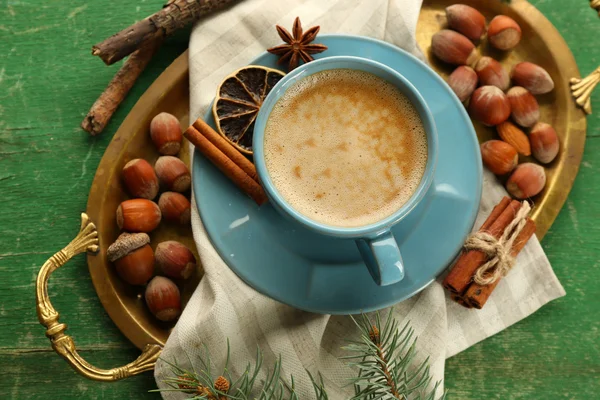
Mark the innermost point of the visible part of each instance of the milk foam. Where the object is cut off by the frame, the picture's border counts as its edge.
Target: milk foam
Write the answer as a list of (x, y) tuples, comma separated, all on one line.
[(345, 148)]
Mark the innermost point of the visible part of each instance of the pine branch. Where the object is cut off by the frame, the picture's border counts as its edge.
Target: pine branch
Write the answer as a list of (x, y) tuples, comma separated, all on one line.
[(385, 361), (202, 385), (384, 356), (318, 386)]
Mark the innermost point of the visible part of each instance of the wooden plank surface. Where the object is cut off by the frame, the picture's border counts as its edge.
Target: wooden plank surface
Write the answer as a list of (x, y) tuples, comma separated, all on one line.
[(47, 82)]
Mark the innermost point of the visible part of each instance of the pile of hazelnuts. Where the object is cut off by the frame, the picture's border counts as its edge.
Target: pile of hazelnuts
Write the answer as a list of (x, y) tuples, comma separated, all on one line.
[(131, 254), (486, 86)]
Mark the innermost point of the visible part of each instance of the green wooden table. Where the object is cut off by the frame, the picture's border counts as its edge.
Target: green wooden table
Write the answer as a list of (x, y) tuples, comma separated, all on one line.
[(48, 80)]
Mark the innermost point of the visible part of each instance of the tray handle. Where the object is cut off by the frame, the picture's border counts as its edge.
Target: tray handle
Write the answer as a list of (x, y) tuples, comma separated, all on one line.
[(582, 89), (595, 4), (86, 240)]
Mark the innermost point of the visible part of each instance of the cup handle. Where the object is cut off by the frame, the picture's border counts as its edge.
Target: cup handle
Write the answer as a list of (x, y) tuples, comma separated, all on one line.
[(382, 257)]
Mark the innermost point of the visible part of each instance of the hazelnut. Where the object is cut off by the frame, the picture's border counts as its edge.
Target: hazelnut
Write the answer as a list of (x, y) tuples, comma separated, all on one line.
[(504, 33), (544, 142), (489, 105), (466, 20), (173, 174), (175, 260), (527, 180), (175, 207), (499, 157), (163, 298), (166, 134), (133, 257), (453, 48), (463, 82), (514, 136), (138, 215), (525, 109), (140, 179), (532, 77), (491, 72)]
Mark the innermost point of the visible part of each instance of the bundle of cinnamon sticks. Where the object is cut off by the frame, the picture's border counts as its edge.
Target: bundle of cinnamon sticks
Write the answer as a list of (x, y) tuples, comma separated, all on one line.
[(226, 158), (459, 281)]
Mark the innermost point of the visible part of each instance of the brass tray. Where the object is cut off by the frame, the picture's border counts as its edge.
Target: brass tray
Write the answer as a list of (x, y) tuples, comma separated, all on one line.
[(124, 303), (542, 45)]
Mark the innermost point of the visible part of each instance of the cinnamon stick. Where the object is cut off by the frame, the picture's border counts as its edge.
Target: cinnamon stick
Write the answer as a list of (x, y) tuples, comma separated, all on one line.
[(233, 171), (222, 144), (496, 212), (116, 91), (462, 272), (477, 295), (176, 14), (460, 300)]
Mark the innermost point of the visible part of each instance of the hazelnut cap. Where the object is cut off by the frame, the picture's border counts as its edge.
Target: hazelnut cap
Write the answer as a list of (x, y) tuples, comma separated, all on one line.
[(125, 244)]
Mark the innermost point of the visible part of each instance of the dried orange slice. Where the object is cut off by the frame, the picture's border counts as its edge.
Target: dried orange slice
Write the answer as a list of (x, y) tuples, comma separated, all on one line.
[(238, 100)]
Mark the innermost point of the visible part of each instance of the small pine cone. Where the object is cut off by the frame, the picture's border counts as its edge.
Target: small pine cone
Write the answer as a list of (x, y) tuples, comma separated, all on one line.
[(374, 334), (222, 384), (204, 391), (191, 387)]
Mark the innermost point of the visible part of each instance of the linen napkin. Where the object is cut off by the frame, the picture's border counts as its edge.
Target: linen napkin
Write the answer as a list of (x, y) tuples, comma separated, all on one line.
[(223, 307)]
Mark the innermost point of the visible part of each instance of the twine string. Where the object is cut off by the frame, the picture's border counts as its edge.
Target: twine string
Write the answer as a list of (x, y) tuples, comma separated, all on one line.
[(500, 261)]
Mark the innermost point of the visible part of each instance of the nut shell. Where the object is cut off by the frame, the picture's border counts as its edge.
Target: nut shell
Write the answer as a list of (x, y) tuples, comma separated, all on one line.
[(173, 174), (175, 207), (463, 82), (499, 157), (137, 267), (489, 105), (453, 48), (532, 77), (525, 109), (544, 142), (138, 215), (163, 298), (504, 33), (526, 181), (514, 136), (140, 179), (466, 20), (166, 134), (175, 260), (491, 72)]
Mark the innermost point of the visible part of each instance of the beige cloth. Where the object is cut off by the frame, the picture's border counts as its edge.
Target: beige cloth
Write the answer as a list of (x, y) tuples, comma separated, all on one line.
[(225, 307)]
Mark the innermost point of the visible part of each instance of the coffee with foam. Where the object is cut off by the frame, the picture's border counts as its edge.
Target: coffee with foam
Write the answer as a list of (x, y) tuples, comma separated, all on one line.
[(345, 148)]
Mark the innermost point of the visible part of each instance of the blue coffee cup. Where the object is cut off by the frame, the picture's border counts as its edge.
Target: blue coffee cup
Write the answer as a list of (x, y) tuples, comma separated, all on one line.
[(375, 241)]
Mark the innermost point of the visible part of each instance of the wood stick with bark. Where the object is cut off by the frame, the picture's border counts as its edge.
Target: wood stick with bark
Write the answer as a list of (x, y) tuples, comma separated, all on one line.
[(106, 105), (175, 15)]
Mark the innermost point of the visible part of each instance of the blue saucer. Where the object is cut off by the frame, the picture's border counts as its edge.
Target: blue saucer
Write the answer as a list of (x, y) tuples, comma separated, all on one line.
[(322, 274)]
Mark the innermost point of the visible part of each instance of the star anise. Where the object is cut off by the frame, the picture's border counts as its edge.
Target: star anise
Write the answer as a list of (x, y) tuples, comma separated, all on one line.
[(297, 46)]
